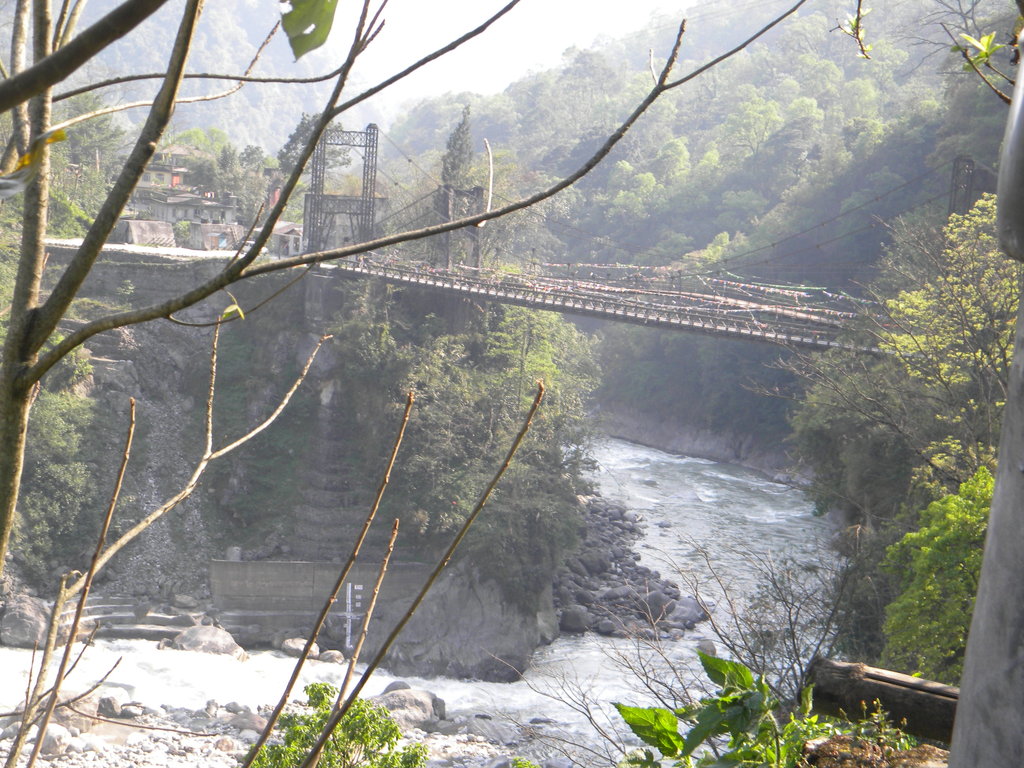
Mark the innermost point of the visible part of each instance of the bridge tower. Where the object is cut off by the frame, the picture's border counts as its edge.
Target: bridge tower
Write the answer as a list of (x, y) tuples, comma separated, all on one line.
[(961, 186), (323, 210), (970, 180), (452, 203)]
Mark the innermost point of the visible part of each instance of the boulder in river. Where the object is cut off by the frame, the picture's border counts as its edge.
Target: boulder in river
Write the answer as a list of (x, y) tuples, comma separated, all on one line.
[(575, 619), (24, 622), (250, 721), (294, 646), (412, 708), (208, 640)]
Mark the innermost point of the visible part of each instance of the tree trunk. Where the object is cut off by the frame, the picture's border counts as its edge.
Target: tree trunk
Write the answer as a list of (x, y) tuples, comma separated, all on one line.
[(988, 727), (927, 707)]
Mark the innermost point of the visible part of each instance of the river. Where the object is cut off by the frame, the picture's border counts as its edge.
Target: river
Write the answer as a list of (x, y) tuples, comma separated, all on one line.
[(689, 504)]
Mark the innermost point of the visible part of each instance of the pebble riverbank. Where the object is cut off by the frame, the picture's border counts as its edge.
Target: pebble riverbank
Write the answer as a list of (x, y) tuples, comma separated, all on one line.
[(219, 737)]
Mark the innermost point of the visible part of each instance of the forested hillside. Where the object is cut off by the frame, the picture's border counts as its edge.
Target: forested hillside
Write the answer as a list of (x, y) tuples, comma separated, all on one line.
[(804, 166)]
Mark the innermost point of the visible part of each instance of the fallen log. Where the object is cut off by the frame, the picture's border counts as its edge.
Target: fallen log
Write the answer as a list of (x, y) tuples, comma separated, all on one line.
[(921, 707)]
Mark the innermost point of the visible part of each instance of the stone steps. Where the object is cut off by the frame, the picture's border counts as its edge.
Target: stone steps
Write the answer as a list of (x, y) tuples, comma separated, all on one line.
[(121, 618), (137, 632)]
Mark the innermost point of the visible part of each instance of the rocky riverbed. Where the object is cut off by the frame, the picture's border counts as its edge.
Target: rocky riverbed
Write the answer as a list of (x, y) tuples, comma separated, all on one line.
[(601, 589), (604, 589), (126, 734)]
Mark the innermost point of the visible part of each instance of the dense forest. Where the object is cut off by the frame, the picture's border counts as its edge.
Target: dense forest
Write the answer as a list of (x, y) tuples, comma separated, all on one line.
[(801, 164)]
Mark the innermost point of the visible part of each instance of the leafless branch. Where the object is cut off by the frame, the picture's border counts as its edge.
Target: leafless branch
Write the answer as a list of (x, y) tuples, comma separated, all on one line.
[(209, 455), (357, 650), (238, 82), (63, 62), (53, 309)]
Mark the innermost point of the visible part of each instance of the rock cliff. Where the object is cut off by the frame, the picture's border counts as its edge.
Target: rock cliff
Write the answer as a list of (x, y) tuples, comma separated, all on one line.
[(289, 494)]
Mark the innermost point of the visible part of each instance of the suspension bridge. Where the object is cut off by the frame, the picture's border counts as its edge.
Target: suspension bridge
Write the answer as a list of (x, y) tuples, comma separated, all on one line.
[(728, 308), (791, 315)]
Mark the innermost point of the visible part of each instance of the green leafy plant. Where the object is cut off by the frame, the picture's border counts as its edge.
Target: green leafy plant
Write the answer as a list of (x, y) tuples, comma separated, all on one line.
[(366, 736), (874, 726), (939, 566), (744, 711), (979, 51)]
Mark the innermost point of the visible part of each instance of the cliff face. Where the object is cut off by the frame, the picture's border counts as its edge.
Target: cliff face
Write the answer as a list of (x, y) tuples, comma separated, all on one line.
[(289, 494)]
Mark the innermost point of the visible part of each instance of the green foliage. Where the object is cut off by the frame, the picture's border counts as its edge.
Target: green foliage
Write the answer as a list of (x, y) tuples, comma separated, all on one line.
[(181, 232), (939, 565), (927, 413), (92, 143), (66, 218), (979, 51), (58, 486), (458, 157), (307, 24), (473, 378), (745, 714), (367, 737), (743, 710), (892, 433), (217, 165)]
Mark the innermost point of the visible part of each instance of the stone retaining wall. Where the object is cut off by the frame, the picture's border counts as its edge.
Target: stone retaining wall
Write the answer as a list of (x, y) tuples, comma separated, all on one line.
[(269, 585)]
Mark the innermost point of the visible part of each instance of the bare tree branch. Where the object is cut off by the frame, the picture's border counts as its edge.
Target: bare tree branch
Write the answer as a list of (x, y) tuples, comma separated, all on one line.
[(244, 268), (209, 455), (86, 587), (237, 86), (57, 66), (63, 293)]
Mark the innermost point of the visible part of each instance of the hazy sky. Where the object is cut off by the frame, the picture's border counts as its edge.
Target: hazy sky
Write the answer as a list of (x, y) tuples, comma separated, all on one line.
[(531, 37)]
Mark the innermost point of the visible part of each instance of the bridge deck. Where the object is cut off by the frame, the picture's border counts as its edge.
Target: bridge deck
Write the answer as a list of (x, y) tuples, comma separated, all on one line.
[(736, 318)]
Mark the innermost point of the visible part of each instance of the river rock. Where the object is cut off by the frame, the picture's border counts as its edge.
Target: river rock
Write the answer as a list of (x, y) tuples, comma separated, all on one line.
[(294, 646), (575, 619), (109, 706), (248, 721), (225, 744), (208, 640), (81, 719), (185, 601), (468, 628), (332, 657), (707, 647), (617, 593), (93, 743), (495, 731), (585, 597), (658, 605), (595, 562), (24, 622), (412, 708), (55, 739), (606, 627), (687, 611)]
